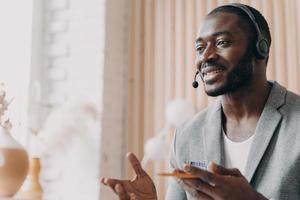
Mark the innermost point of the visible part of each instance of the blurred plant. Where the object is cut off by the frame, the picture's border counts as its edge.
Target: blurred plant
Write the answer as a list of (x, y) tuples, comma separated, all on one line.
[(177, 112), (4, 120), (70, 138), (71, 119)]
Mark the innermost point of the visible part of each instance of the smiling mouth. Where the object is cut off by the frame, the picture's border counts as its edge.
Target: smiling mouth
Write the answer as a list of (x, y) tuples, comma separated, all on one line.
[(212, 72)]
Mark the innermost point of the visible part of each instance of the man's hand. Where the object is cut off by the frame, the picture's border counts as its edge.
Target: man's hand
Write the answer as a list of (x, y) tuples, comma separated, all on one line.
[(219, 183), (141, 187)]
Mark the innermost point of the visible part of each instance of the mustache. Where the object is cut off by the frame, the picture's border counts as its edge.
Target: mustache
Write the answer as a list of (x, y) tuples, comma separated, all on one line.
[(211, 63)]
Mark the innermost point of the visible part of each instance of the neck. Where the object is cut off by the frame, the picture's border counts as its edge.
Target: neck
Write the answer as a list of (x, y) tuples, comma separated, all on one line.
[(247, 102)]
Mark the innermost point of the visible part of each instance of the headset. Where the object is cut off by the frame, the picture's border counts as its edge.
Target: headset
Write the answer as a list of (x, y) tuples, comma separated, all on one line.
[(262, 47)]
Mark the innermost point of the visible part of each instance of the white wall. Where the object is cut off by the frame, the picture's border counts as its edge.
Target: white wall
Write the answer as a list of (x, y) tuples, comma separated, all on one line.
[(74, 49), (82, 49), (68, 63), (15, 51)]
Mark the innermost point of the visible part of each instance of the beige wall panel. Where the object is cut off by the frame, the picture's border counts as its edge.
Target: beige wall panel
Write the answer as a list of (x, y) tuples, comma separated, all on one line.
[(159, 97), (248, 2), (149, 69), (159, 66), (233, 1), (221, 2), (201, 11), (138, 75), (130, 101), (169, 49), (190, 35), (149, 62), (135, 79), (211, 5), (298, 43), (279, 41), (291, 41), (267, 11), (256, 4), (179, 49)]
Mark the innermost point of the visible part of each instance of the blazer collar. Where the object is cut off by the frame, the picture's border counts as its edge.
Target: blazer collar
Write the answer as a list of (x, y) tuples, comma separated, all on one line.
[(265, 128), (213, 138)]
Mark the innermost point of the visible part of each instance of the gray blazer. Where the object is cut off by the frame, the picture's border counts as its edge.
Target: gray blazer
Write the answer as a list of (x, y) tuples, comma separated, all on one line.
[(273, 166)]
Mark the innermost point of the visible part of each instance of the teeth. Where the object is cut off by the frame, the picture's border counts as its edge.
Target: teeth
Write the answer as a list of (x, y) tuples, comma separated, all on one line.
[(214, 72)]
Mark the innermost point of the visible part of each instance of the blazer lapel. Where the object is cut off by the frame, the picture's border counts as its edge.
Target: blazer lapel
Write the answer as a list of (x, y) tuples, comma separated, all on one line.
[(265, 129), (213, 139)]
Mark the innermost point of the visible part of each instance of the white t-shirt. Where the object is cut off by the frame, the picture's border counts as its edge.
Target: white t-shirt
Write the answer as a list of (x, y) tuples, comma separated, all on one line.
[(236, 153)]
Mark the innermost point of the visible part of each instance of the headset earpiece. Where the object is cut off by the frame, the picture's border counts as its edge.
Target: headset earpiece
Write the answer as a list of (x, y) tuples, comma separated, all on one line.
[(262, 48)]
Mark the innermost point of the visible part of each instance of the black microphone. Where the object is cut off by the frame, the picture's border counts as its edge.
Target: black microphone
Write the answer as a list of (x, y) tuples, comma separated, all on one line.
[(195, 82)]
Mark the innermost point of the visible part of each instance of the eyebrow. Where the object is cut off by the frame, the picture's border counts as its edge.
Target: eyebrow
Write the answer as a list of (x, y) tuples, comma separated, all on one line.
[(215, 35)]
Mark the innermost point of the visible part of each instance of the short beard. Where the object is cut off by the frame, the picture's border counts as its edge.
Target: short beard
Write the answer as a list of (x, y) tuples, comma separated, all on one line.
[(239, 77)]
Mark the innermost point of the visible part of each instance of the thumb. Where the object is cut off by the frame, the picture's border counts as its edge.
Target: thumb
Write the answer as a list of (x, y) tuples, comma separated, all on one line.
[(136, 165), (218, 169)]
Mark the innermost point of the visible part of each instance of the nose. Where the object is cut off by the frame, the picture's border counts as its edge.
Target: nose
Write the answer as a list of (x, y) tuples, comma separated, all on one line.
[(209, 53)]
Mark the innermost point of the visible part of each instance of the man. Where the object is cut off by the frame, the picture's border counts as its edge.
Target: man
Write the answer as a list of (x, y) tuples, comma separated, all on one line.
[(244, 146)]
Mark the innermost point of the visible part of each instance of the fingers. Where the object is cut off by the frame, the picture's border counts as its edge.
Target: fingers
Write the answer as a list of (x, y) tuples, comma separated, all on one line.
[(204, 175), (197, 184), (117, 187), (121, 192), (178, 171), (192, 191), (213, 167), (204, 188), (136, 165), (113, 184), (133, 196), (110, 182), (102, 180)]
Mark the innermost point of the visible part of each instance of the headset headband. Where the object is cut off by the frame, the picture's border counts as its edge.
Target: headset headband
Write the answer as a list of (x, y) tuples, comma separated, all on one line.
[(262, 45)]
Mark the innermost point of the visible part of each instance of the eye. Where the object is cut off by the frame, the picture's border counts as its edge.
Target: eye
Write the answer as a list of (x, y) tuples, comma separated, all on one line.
[(222, 43), (200, 48)]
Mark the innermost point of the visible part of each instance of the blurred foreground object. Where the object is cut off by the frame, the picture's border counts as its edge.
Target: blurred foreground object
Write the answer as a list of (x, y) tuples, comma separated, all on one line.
[(71, 151), (13, 157), (177, 112)]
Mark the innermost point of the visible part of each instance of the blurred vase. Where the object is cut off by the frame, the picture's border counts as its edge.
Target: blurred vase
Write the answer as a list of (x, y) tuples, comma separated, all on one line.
[(31, 188), (13, 164)]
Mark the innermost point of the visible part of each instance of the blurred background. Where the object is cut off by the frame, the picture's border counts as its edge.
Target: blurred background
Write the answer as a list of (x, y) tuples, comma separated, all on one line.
[(92, 80)]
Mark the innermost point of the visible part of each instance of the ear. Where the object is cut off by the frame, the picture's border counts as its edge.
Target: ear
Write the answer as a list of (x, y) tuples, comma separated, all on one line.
[(260, 66), (261, 61)]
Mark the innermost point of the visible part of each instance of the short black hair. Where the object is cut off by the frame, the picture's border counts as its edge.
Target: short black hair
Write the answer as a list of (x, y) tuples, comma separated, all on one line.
[(259, 18)]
